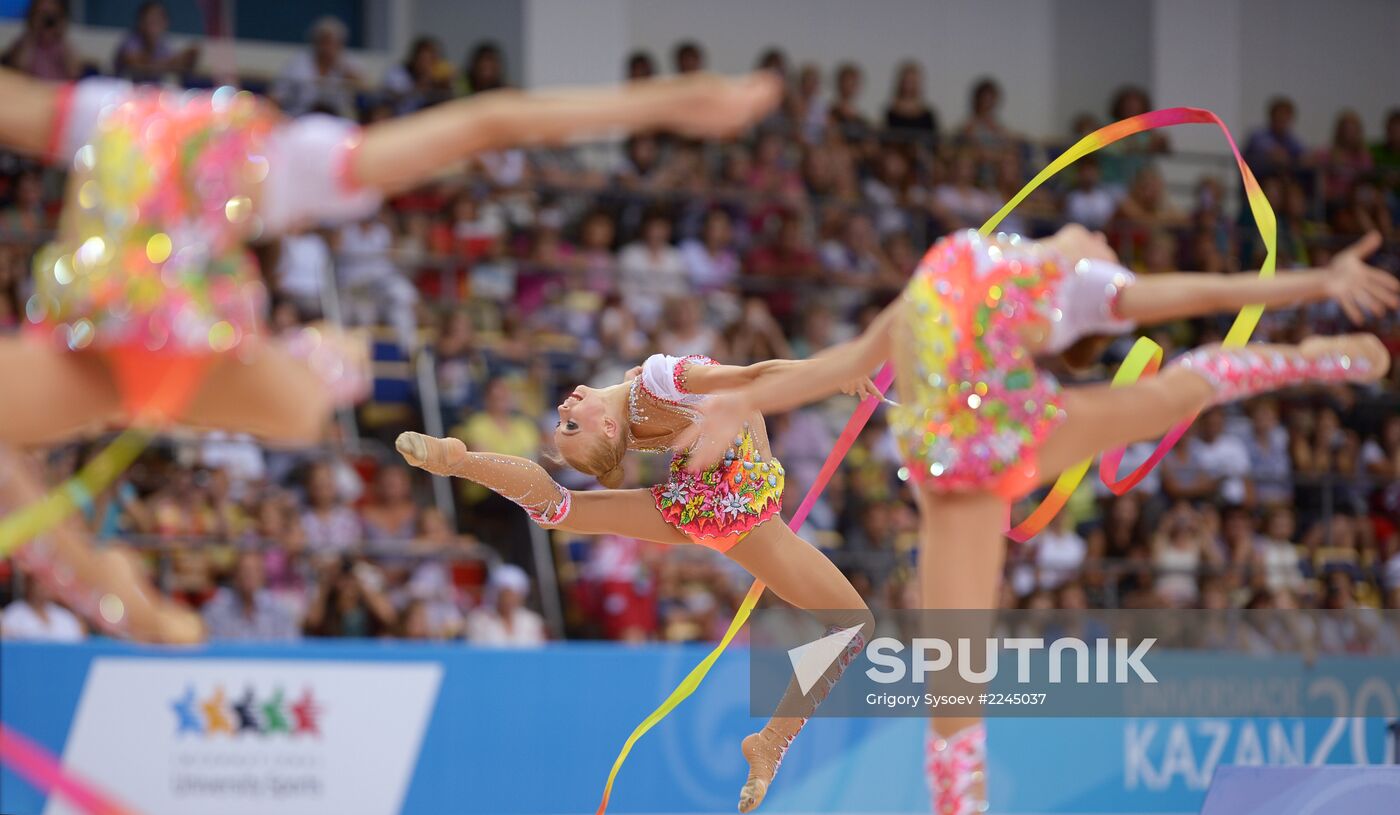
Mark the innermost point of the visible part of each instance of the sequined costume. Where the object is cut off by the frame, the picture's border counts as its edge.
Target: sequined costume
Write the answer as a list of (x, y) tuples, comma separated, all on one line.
[(150, 266), (974, 408), (719, 506)]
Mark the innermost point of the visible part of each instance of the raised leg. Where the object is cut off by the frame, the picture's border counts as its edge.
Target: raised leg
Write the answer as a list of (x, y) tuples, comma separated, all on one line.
[(805, 578), (1099, 417), (53, 394), (283, 391)]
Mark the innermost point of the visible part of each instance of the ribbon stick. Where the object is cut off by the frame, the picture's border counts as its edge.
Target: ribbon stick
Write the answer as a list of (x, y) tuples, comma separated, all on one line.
[(47, 512), (697, 674), (35, 765), (1146, 355)]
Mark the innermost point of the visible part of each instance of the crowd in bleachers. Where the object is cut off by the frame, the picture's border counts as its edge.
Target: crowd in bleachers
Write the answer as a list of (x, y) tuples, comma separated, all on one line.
[(522, 274)]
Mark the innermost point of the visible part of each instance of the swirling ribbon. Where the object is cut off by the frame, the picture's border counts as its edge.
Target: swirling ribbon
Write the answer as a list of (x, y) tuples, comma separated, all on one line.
[(1146, 355), (1143, 360), (35, 765), (693, 679)]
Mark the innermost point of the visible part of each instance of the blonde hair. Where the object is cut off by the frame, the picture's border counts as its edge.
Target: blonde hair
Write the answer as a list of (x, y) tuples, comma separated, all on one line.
[(602, 460)]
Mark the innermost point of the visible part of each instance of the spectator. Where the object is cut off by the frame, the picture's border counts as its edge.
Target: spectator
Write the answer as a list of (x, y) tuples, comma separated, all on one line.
[(373, 283), (304, 267), (349, 603), (26, 219), (1090, 203), (1346, 160), (1278, 554), (499, 427), (321, 78), (756, 335), (651, 270), (856, 263), (459, 363), (1059, 552), (894, 191), (685, 333), (1146, 210), (329, 525), (503, 621), (845, 114), (42, 49), (983, 132), (37, 618), (1325, 450), (596, 259), (421, 80), (640, 65), (711, 263), (146, 54), (1385, 155), (1269, 462), (809, 110), (245, 610), (1222, 458), (1381, 456), (390, 516), (960, 203), (770, 174), (1179, 552), (773, 59), (1127, 158), (782, 263), (688, 57), (485, 69), (1275, 148), (909, 113)]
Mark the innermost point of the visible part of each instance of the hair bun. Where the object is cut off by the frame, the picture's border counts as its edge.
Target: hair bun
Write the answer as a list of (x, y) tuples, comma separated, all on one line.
[(612, 479)]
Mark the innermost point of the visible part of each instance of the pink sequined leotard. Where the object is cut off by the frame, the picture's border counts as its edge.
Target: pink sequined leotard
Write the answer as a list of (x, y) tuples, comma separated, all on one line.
[(151, 266), (974, 408), (716, 508)]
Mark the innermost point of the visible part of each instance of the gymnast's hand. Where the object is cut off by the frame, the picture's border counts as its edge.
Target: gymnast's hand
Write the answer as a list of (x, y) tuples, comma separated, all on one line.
[(719, 419), (1359, 288), (713, 106), (862, 389)]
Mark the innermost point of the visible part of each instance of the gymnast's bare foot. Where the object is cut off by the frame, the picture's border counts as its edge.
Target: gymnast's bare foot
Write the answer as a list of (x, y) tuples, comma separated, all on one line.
[(1361, 347), (764, 752), (437, 456)]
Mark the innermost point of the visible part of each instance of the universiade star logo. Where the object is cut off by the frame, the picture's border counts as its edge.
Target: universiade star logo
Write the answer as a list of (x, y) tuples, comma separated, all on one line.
[(215, 719), (307, 712), (187, 720), (216, 714), (274, 717), (244, 710)]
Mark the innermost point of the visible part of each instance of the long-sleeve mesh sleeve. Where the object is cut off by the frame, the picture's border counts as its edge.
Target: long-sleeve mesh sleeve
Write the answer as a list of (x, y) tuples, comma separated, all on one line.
[(517, 479)]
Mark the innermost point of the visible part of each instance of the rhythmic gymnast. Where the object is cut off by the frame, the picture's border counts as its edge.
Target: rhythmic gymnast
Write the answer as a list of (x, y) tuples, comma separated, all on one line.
[(732, 506), (148, 307), (981, 424)]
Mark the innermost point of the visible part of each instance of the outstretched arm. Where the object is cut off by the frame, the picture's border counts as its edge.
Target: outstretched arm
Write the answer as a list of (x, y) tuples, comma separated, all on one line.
[(724, 415), (404, 152), (721, 378), (1360, 289)]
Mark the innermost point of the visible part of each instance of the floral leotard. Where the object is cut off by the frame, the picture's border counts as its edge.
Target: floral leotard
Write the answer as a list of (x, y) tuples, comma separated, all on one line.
[(718, 507)]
